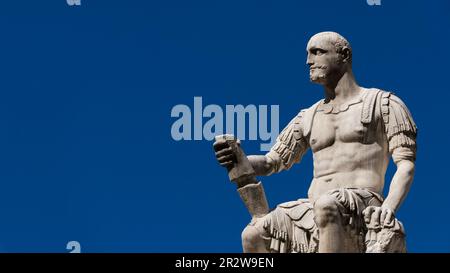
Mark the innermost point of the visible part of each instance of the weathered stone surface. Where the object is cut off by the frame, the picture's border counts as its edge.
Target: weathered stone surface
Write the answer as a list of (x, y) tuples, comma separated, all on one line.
[(353, 132)]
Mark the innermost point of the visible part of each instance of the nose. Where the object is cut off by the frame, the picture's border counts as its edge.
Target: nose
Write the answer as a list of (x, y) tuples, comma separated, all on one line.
[(309, 60)]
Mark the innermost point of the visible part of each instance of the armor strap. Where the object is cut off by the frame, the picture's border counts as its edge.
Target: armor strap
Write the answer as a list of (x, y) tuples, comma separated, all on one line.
[(308, 116), (368, 107), (367, 113), (385, 108)]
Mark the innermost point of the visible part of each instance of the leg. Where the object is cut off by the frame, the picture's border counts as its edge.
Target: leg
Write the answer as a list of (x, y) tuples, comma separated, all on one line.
[(253, 239), (256, 203), (332, 235)]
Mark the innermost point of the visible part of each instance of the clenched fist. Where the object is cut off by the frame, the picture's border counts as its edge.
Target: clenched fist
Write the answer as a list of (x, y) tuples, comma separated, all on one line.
[(225, 154)]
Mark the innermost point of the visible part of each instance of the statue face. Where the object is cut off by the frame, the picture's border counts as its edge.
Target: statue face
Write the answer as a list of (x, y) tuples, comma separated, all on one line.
[(324, 62)]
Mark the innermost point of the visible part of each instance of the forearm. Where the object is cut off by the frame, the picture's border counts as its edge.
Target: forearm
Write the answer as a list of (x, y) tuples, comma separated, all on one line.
[(400, 184), (262, 165)]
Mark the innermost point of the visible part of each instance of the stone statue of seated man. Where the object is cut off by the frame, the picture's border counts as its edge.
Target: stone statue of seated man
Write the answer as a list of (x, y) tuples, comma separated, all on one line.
[(353, 132)]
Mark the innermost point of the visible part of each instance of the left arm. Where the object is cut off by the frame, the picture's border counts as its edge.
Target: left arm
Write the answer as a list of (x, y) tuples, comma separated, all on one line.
[(400, 184), (398, 190), (401, 133)]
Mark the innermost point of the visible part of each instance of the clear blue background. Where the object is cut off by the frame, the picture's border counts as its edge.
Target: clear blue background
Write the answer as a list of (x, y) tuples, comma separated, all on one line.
[(86, 93)]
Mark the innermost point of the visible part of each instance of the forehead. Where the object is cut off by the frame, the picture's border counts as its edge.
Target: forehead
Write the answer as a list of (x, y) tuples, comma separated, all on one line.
[(320, 41)]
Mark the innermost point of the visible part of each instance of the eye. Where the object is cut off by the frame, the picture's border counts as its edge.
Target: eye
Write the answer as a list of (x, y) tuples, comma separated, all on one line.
[(319, 51)]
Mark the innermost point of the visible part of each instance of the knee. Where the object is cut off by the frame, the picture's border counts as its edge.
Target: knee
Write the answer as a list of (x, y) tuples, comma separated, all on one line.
[(326, 211), (251, 238)]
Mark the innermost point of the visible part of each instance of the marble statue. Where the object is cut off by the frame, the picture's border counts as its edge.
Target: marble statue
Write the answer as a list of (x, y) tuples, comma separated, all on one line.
[(352, 132)]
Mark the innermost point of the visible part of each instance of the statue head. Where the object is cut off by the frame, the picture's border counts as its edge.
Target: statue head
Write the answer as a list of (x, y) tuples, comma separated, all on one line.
[(329, 57)]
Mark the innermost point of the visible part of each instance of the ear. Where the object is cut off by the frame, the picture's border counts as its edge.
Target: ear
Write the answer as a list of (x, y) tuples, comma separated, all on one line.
[(346, 54)]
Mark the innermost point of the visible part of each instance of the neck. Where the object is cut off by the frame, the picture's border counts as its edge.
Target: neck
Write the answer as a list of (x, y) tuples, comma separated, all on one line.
[(343, 89)]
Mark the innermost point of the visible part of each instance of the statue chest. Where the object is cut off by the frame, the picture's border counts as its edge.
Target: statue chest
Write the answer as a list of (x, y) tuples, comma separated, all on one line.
[(344, 126)]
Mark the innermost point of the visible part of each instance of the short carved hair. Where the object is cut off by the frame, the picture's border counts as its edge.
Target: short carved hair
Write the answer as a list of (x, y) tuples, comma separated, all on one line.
[(336, 39)]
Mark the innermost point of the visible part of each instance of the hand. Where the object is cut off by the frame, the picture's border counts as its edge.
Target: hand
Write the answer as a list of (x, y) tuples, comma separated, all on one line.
[(224, 153), (378, 216)]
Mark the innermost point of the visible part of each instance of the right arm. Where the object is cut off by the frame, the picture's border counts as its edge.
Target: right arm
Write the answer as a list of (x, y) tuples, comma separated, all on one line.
[(289, 148), (263, 165)]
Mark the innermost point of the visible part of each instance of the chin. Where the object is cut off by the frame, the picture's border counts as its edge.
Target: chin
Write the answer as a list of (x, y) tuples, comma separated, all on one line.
[(318, 79), (317, 75)]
